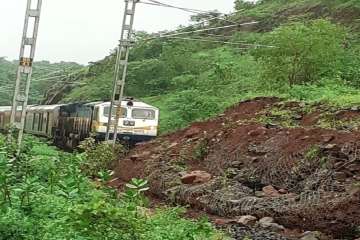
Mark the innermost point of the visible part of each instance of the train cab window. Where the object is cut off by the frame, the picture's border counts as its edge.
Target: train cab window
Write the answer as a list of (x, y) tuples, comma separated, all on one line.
[(143, 114), (107, 110)]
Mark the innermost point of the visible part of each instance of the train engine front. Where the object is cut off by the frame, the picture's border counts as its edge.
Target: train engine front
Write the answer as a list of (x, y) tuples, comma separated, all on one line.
[(139, 121)]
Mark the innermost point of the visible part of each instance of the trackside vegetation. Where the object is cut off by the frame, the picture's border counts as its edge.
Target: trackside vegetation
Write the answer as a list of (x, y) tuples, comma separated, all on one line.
[(44, 194)]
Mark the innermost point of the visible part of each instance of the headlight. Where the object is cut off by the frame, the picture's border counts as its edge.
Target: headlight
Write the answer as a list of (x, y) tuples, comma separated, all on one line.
[(129, 123)]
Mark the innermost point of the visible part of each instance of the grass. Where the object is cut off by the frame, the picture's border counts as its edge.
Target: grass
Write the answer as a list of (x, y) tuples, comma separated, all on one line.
[(45, 195)]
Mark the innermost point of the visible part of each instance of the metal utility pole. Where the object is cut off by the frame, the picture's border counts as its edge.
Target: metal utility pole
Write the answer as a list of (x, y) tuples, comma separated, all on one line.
[(121, 62), (23, 77)]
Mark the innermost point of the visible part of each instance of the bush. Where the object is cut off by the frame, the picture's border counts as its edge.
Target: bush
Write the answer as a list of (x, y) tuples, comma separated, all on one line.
[(190, 105), (71, 207), (99, 156), (302, 53)]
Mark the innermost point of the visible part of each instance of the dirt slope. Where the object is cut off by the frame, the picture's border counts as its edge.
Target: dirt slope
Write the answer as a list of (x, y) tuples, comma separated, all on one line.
[(297, 163)]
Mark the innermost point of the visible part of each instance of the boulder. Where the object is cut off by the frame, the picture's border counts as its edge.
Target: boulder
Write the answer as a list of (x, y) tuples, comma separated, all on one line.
[(196, 177), (270, 191), (268, 223), (329, 146), (283, 191), (311, 236), (247, 220)]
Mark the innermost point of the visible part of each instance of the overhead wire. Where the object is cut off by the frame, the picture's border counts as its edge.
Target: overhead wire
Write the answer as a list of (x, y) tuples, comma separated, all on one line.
[(223, 42), (201, 30), (10, 87), (190, 10)]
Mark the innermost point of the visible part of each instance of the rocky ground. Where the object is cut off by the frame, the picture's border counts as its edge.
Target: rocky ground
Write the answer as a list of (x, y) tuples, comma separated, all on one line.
[(267, 169)]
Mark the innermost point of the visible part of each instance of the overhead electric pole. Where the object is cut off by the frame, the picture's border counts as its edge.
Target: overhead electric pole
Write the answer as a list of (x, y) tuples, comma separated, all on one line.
[(122, 58), (23, 77)]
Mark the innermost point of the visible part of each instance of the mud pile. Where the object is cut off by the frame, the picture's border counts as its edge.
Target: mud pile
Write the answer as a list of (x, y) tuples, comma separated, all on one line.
[(294, 162)]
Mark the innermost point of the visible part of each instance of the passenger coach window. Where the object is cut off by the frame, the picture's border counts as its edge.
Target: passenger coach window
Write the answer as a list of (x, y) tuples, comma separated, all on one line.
[(143, 114), (107, 110)]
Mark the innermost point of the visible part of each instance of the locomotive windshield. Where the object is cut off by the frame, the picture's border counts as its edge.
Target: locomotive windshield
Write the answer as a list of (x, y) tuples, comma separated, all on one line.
[(143, 114), (107, 110)]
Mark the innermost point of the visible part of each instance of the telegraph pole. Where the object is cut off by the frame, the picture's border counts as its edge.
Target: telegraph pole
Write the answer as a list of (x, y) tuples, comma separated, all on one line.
[(23, 77), (122, 59)]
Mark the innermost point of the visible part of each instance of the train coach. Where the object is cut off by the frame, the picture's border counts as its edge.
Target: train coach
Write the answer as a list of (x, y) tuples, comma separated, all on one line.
[(69, 124)]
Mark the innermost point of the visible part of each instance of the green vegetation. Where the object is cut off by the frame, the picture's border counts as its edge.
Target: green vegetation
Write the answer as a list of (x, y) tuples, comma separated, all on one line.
[(45, 76), (303, 55), (45, 195)]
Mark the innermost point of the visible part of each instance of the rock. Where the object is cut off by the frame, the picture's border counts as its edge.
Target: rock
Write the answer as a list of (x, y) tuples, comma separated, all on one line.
[(260, 194), (247, 220), (196, 177), (266, 220), (192, 132), (327, 138), (283, 191), (270, 191), (329, 146), (305, 137), (268, 223), (311, 236), (221, 221)]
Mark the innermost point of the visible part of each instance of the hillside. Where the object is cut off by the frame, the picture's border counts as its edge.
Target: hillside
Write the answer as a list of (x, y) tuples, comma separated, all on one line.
[(209, 76), (293, 167), (45, 75)]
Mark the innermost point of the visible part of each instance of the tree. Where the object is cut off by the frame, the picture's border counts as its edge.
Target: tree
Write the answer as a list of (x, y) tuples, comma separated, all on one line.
[(242, 4), (301, 53)]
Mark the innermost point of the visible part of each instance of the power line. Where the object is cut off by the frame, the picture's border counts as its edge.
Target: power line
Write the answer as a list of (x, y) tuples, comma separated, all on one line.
[(202, 30), (223, 42), (190, 10), (10, 87)]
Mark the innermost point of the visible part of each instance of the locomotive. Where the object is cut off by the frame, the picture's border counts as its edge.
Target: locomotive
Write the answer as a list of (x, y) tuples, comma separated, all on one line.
[(69, 124)]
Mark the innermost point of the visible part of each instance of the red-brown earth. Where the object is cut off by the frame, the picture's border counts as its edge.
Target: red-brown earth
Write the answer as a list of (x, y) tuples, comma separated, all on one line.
[(294, 162)]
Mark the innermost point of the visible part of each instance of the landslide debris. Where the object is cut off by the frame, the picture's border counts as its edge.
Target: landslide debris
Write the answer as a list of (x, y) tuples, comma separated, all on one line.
[(294, 162)]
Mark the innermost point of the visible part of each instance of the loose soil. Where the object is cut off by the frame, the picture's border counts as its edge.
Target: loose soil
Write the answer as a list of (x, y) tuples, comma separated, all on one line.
[(310, 155)]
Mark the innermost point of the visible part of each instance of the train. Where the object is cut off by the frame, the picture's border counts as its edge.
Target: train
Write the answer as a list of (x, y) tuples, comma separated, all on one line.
[(69, 124)]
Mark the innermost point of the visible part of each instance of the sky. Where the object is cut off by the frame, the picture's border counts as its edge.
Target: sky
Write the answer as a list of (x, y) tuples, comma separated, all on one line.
[(86, 30)]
